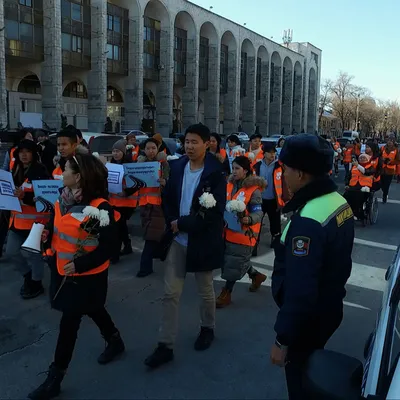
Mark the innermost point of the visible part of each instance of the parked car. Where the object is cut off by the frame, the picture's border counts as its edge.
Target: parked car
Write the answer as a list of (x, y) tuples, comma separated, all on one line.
[(331, 375), (242, 136), (140, 136)]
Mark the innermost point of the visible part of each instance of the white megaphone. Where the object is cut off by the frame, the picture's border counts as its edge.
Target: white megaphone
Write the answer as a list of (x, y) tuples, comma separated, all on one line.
[(33, 241)]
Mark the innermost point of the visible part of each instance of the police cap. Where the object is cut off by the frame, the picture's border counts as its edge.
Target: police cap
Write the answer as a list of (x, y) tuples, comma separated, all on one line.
[(308, 153)]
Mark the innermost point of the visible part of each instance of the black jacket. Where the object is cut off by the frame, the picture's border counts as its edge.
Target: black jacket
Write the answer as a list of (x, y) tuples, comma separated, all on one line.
[(312, 265), (47, 152), (205, 250), (82, 294)]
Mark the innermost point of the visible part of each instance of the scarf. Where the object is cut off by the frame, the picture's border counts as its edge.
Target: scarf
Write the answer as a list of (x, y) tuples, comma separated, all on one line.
[(70, 197)]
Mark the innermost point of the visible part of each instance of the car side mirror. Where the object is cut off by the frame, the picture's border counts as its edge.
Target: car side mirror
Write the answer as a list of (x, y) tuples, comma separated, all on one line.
[(333, 376)]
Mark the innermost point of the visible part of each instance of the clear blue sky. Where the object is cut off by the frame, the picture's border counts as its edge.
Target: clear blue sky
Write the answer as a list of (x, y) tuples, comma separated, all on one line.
[(361, 37)]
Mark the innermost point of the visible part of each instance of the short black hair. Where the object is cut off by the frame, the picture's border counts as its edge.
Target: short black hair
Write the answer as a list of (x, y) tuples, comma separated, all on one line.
[(151, 140), (269, 147), (256, 136), (200, 130), (245, 163), (234, 138), (69, 132)]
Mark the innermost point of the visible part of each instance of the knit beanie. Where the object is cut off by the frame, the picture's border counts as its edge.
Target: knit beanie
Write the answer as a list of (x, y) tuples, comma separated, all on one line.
[(120, 145)]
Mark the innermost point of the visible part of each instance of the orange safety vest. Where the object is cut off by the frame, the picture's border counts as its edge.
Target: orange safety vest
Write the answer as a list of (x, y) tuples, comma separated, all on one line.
[(257, 158), (12, 158), (150, 195), (24, 220), (135, 153), (223, 153), (359, 178), (347, 155), (278, 184), (374, 163), (336, 146), (124, 201), (70, 234), (391, 156), (57, 173), (357, 149), (243, 237)]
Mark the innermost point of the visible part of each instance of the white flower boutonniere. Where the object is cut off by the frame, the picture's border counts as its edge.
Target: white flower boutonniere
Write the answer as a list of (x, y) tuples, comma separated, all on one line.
[(207, 200)]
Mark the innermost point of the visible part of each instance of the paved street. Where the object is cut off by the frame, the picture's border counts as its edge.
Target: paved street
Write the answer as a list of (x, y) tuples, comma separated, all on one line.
[(236, 367)]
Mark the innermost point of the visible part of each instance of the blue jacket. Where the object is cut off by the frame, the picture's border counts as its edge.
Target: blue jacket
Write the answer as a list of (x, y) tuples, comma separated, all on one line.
[(312, 265), (205, 250)]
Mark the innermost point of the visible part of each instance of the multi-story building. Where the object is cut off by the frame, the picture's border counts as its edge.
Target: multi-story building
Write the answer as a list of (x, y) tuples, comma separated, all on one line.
[(156, 64)]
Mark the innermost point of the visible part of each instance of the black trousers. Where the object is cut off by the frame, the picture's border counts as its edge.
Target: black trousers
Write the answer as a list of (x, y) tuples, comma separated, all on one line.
[(270, 207), (386, 181), (4, 220), (148, 254), (69, 327), (123, 231)]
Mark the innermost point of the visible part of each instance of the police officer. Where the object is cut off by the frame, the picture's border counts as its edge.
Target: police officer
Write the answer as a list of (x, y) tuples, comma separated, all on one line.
[(312, 260)]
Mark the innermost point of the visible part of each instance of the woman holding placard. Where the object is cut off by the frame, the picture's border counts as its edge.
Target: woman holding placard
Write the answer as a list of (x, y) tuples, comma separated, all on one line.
[(151, 213), (26, 169), (125, 202)]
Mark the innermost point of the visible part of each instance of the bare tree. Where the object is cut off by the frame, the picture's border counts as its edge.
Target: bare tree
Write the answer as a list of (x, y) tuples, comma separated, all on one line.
[(325, 97)]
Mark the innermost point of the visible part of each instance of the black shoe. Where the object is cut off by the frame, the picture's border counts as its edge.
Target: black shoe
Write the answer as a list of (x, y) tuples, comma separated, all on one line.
[(32, 290), (255, 251), (27, 279), (204, 340), (126, 250), (114, 260), (275, 240), (115, 347), (162, 355), (143, 274), (51, 387)]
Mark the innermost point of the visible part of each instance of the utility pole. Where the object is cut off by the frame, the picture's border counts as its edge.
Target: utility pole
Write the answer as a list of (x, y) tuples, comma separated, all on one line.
[(358, 113)]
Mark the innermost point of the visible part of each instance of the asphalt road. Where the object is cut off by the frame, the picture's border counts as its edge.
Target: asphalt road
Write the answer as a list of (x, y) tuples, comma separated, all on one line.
[(237, 366)]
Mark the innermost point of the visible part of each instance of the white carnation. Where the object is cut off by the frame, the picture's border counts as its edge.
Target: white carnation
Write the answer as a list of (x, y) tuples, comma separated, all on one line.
[(129, 146), (365, 189), (104, 218), (170, 158), (251, 156), (235, 206), (91, 212), (96, 154), (207, 200)]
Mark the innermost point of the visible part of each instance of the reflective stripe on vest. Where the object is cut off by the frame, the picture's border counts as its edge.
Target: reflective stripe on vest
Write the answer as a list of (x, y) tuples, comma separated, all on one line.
[(249, 234), (391, 156), (150, 195), (57, 173), (357, 177), (24, 220), (278, 173), (128, 201), (71, 238), (12, 158)]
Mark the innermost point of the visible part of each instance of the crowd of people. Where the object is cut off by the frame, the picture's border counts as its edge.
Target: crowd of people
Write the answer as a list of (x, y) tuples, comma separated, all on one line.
[(206, 214)]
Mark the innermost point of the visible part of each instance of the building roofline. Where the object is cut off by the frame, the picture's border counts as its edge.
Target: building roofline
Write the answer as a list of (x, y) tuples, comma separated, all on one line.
[(247, 29), (311, 45)]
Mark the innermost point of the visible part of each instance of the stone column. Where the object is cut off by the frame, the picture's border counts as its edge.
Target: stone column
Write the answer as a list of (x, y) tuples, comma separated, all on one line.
[(133, 100), (249, 101), (296, 113), (231, 99), (211, 96), (263, 102), (97, 77), (3, 90), (190, 93), (275, 101), (287, 89), (51, 71), (165, 93)]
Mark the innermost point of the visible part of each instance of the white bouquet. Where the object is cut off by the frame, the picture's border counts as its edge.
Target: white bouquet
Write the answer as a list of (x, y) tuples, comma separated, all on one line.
[(207, 200), (171, 158), (235, 206), (129, 146), (365, 189)]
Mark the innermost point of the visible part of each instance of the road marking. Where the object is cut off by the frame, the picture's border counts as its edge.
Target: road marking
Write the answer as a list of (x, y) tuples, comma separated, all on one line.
[(375, 244), (390, 201), (363, 276)]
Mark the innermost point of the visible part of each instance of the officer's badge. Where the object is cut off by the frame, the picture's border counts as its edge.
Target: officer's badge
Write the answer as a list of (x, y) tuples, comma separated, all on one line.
[(301, 246)]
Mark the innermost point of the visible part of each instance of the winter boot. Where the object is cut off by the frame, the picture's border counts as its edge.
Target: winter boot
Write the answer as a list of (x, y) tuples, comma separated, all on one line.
[(27, 279), (224, 299), (51, 387), (32, 290), (204, 340), (127, 249), (161, 355), (115, 346), (256, 281)]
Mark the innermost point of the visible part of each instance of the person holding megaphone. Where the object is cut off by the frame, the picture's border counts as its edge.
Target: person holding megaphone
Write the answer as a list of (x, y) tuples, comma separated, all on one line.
[(26, 169), (80, 238)]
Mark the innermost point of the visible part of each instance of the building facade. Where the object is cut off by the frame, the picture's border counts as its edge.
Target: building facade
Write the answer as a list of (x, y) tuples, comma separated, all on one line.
[(154, 65)]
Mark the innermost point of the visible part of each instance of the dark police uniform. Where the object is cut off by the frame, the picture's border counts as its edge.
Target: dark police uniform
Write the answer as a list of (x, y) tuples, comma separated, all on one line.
[(312, 262)]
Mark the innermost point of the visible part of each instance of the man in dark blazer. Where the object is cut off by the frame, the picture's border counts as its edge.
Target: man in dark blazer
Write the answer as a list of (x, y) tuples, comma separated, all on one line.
[(196, 233)]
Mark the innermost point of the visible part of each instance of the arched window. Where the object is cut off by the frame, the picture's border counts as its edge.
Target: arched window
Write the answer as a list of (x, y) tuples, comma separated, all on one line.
[(113, 95), (30, 84), (75, 90)]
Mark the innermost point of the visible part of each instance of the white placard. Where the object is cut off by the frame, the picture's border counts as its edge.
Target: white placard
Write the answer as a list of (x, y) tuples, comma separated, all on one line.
[(7, 199), (115, 177)]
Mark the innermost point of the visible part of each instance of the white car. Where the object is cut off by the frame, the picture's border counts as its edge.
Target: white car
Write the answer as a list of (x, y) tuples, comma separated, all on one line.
[(332, 375), (140, 136), (242, 136)]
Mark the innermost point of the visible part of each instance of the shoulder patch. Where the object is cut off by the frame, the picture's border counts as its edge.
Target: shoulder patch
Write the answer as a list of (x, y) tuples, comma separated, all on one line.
[(301, 246), (344, 215)]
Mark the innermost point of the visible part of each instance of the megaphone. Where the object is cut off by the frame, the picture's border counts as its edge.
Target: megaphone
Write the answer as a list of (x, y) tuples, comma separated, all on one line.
[(33, 241)]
